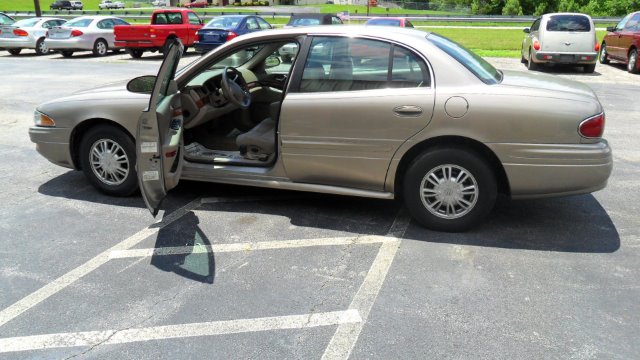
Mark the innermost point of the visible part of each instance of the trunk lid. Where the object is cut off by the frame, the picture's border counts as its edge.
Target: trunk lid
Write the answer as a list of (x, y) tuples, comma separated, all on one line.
[(6, 31), (546, 83), (213, 35), (60, 32)]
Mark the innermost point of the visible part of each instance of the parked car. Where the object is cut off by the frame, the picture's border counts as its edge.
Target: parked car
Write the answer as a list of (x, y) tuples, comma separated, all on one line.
[(159, 3), (622, 43), (77, 5), (110, 4), (85, 33), (6, 19), (61, 5), (313, 20), (165, 24), (197, 4), (224, 28), (389, 21), (461, 141), (561, 38), (27, 34)]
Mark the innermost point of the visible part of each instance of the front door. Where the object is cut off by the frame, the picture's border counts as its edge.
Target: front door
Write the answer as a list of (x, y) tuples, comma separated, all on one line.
[(357, 102), (159, 138)]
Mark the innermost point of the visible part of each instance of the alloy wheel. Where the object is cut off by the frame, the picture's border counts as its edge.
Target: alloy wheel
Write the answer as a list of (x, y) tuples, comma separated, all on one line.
[(109, 162), (449, 191)]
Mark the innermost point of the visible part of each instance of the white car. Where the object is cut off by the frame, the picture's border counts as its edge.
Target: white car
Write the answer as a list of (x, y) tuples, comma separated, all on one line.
[(27, 34), (77, 5), (159, 3), (85, 33), (108, 4)]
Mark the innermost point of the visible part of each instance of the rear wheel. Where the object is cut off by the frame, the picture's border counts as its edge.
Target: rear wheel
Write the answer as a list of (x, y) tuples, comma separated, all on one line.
[(100, 48), (632, 63), (522, 58), (604, 56), (530, 64), (14, 51), (41, 47), (135, 53), (67, 53), (588, 69), (107, 156), (449, 189)]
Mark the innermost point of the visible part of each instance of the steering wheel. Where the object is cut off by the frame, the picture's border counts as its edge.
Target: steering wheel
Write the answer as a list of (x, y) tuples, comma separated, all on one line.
[(234, 87)]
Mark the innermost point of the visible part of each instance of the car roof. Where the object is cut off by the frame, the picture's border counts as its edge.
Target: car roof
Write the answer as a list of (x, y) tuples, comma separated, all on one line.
[(382, 32), (310, 15), (564, 13)]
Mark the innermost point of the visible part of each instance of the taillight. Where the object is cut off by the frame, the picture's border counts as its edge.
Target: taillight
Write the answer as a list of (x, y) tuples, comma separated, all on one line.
[(75, 33), (597, 47), (231, 35), (536, 45), (20, 32), (592, 127)]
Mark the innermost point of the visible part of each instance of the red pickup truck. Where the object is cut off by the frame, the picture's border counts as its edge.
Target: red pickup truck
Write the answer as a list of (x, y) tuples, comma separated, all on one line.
[(165, 24)]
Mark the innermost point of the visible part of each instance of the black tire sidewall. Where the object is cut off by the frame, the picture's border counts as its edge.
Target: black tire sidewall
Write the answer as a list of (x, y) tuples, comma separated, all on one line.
[(604, 57), (633, 68), (38, 52), (130, 185), (473, 163), (95, 47)]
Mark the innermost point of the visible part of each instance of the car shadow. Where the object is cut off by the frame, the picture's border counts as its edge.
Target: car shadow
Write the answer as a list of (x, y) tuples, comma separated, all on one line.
[(561, 69), (568, 224), (156, 56)]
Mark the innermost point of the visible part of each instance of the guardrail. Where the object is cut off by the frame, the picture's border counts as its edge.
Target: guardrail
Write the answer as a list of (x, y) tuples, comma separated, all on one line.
[(141, 14)]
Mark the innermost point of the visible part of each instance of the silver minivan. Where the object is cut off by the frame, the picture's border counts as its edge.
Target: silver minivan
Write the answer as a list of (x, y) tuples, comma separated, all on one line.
[(561, 38)]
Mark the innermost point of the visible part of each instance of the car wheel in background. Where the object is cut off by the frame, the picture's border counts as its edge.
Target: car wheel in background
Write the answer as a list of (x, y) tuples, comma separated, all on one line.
[(588, 69), (135, 53), (100, 48), (632, 63), (449, 189), (604, 56), (14, 51), (530, 64), (107, 157), (41, 47), (67, 53)]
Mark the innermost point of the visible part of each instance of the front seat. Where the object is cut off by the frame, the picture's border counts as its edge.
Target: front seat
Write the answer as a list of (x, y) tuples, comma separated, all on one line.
[(259, 143)]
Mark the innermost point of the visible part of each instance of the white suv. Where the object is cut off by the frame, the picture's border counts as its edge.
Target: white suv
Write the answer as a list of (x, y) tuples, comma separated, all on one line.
[(77, 5), (108, 4)]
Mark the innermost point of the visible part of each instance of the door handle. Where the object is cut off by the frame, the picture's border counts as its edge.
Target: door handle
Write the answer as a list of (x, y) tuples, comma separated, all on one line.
[(407, 110)]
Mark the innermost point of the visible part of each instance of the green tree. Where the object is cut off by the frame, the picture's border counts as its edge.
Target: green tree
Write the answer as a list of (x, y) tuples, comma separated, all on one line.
[(512, 7)]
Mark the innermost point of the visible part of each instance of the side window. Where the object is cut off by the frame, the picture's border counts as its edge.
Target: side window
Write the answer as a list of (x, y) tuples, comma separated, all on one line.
[(120, 22), (633, 24), (252, 24), (335, 21), (160, 18), (48, 24), (263, 24), (408, 24), (59, 22), (174, 18), (194, 19), (105, 24), (347, 64), (622, 23), (291, 49), (536, 25)]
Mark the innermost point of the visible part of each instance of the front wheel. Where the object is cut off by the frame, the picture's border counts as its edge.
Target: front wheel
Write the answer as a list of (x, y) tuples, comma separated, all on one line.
[(135, 53), (632, 63), (100, 48), (67, 54), (14, 51), (41, 47), (107, 156), (449, 189), (604, 56)]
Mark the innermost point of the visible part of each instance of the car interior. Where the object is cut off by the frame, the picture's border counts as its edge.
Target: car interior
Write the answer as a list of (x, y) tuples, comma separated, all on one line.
[(231, 108)]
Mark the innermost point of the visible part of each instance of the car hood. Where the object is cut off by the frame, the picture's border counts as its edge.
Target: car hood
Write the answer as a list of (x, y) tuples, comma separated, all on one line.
[(113, 92), (546, 84)]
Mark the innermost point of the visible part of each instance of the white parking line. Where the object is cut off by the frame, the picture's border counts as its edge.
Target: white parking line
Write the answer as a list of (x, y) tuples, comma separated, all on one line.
[(108, 337), (346, 335), (69, 278), (263, 245)]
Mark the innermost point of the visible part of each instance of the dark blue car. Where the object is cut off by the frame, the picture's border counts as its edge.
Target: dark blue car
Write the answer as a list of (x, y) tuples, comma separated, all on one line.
[(224, 28)]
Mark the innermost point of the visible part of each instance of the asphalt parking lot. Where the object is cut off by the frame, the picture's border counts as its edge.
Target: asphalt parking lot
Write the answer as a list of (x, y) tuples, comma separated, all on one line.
[(236, 272)]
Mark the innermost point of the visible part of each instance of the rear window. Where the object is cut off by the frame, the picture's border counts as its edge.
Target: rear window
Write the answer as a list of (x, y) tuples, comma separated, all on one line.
[(5, 20), (384, 22), (26, 22), (304, 22), (569, 23), (224, 22), (78, 23)]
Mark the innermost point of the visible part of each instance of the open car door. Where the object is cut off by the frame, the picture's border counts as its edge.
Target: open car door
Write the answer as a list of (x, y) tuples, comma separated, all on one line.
[(159, 138)]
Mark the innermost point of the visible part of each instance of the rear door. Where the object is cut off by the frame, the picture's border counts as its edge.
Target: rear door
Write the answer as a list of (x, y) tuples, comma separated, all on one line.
[(159, 138)]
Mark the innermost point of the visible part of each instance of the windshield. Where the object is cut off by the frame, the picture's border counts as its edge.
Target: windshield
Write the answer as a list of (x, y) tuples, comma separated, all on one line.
[(5, 20), (569, 23), (477, 65), (384, 22), (224, 22), (26, 22), (78, 23)]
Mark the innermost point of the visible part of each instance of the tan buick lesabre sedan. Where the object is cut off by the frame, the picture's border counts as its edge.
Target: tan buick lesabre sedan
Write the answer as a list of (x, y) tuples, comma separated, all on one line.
[(374, 112)]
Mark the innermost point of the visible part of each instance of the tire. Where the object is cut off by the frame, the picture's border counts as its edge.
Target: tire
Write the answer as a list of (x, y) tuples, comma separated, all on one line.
[(14, 51), (41, 47), (522, 59), (109, 173), (460, 216), (589, 69), (604, 56), (67, 53), (135, 53), (632, 62), (530, 64), (100, 48)]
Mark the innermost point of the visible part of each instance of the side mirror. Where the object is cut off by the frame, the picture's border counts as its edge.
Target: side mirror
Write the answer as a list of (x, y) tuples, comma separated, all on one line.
[(272, 61), (526, 30), (142, 84), (611, 28)]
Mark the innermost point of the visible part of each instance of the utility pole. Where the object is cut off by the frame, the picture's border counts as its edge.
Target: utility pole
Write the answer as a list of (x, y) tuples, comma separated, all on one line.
[(37, 5), (368, 6)]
